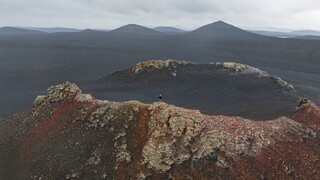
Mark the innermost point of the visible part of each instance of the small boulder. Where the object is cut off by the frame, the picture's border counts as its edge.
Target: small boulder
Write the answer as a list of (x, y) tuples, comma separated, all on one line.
[(39, 100)]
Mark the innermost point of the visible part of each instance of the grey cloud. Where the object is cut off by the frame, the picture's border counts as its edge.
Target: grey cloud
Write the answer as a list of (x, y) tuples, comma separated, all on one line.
[(187, 14)]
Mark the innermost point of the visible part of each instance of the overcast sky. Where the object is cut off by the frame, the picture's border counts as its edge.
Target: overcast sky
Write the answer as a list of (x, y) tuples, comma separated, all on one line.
[(186, 14)]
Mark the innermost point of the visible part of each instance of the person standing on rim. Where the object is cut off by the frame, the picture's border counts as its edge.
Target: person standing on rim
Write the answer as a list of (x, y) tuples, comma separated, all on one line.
[(160, 98)]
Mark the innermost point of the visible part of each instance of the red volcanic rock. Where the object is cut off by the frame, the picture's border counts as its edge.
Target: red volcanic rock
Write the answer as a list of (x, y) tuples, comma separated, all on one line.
[(67, 134)]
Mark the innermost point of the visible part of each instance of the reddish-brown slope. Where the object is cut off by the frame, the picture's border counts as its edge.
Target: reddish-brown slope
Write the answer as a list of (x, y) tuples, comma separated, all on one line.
[(68, 134)]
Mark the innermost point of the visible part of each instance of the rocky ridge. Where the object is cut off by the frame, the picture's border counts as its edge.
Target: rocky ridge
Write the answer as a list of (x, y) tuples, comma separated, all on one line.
[(157, 64), (215, 89), (246, 69), (237, 69), (68, 134)]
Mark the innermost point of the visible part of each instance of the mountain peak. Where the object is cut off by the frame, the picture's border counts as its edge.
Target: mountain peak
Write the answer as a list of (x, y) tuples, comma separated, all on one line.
[(13, 30), (135, 29), (90, 31), (220, 22), (220, 25), (221, 29), (131, 27), (87, 30)]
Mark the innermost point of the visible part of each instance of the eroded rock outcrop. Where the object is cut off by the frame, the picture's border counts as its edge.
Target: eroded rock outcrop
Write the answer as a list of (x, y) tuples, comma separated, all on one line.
[(239, 68), (68, 134), (157, 64)]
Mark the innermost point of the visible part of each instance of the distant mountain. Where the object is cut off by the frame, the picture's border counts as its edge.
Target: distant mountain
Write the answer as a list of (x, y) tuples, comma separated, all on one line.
[(308, 37), (306, 33), (268, 28), (274, 34), (52, 30), (92, 31), (292, 34), (105, 30), (170, 30), (89, 30), (12, 30), (221, 29), (134, 29)]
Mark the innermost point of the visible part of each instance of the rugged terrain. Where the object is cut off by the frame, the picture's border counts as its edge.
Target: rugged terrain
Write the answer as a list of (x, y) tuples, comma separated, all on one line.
[(31, 62), (222, 88), (71, 135)]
